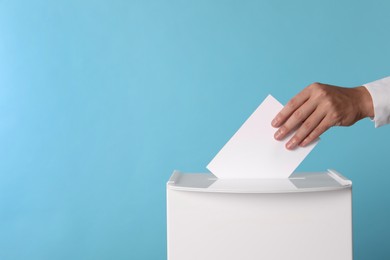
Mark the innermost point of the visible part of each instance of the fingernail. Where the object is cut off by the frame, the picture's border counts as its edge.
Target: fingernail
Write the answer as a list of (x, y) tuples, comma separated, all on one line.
[(275, 122), (304, 143), (291, 144), (278, 134)]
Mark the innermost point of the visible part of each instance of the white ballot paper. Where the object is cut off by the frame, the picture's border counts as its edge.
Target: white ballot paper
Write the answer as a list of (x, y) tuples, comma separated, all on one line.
[(253, 152)]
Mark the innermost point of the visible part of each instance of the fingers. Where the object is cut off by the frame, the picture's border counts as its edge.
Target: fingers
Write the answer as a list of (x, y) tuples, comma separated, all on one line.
[(289, 109), (307, 127), (313, 111), (322, 127), (319, 130), (300, 115)]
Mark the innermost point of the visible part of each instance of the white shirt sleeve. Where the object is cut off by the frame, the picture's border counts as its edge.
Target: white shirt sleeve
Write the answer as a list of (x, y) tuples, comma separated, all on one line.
[(380, 94)]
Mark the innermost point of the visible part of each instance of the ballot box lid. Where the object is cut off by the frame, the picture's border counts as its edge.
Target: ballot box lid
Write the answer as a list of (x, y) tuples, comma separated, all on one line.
[(298, 182)]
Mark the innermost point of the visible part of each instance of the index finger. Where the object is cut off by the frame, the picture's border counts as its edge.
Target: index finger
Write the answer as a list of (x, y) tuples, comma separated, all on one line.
[(289, 109)]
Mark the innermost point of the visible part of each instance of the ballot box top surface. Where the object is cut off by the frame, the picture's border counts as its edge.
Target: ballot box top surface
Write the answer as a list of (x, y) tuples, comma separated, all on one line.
[(298, 182)]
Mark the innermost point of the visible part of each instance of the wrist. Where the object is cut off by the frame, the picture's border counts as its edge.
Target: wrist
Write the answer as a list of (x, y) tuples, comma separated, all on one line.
[(364, 102)]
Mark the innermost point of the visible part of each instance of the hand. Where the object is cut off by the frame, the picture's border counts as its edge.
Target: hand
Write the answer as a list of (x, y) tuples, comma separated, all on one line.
[(317, 108)]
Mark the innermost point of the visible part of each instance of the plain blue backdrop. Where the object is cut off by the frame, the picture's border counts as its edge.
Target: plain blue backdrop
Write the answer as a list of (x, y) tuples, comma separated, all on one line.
[(101, 100)]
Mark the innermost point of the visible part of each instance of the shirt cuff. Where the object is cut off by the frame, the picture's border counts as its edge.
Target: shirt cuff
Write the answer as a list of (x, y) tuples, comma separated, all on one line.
[(380, 94)]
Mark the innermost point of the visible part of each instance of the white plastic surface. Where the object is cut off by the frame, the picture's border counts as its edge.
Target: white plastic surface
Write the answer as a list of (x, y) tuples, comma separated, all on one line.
[(298, 182), (212, 220)]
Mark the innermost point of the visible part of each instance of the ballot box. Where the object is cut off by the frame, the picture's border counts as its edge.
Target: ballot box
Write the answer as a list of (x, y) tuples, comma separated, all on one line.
[(305, 217)]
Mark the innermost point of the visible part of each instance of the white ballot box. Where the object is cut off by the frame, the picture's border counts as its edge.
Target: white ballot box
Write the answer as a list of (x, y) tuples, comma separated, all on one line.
[(305, 217)]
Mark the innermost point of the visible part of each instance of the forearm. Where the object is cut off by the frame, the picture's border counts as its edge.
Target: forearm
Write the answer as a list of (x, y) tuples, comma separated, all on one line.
[(364, 101)]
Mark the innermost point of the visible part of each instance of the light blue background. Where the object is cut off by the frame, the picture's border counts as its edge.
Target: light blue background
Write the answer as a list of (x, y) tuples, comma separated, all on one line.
[(101, 100)]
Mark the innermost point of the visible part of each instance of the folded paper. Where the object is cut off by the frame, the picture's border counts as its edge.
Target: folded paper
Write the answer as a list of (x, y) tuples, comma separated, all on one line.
[(253, 152)]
